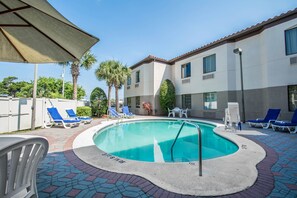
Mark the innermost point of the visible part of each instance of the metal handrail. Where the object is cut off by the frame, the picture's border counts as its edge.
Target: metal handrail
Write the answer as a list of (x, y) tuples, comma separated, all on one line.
[(199, 143)]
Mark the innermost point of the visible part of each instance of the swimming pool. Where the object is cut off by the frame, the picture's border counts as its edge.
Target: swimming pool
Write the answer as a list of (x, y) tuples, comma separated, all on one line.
[(151, 141)]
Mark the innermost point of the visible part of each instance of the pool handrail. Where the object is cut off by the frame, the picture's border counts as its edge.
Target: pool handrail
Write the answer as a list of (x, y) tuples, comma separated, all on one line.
[(199, 143)]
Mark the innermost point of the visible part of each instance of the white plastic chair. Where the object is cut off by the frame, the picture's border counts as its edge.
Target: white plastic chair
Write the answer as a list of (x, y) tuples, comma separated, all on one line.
[(232, 115), (184, 112), (171, 112), (19, 158)]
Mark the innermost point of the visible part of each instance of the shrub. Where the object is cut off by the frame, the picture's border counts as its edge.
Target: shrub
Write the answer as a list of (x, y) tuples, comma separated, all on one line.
[(98, 102), (84, 111), (167, 95)]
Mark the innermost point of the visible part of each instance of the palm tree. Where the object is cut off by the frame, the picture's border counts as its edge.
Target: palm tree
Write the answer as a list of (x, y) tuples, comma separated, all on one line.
[(120, 77), (105, 71), (86, 62)]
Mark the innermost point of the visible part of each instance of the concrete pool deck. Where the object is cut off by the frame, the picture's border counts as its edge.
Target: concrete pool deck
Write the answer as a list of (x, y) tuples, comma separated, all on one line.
[(221, 176), (63, 174)]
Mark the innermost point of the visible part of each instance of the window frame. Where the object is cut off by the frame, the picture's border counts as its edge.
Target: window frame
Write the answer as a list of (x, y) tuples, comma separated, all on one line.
[(205, 71), (290, 109), (185, 72), (129, 102), (129, 80), (216, 100), (185, 103), (286, 46), (137, 76), (136, 100)]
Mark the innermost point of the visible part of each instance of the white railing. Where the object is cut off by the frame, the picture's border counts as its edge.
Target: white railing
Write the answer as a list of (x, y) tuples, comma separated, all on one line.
[(15, 113)]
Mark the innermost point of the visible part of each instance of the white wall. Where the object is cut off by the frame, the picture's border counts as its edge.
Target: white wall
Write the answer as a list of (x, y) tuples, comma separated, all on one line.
[(265, 63), (161, 73), (146, 84), (197, 84), (16, 113)]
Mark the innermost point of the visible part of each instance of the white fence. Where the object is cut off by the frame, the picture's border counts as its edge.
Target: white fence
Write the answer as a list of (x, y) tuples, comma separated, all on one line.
[(16, 113)]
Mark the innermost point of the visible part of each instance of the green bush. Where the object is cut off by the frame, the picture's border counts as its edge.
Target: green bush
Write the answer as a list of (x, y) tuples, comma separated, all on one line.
[(167, 95), (84, 111), (98, 101)]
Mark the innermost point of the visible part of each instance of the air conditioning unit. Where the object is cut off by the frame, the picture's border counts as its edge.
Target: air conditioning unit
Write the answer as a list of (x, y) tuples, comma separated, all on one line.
[(293, 60), (186, 81), (209, 76)]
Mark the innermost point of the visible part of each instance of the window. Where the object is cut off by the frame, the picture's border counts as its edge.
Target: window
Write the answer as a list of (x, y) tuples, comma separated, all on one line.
[(291, 41), (137, 76), (292, 91), (210, 100), (209, 64), (137, 102), (186, 70), (129, 80), (186, 101), (129, 102)]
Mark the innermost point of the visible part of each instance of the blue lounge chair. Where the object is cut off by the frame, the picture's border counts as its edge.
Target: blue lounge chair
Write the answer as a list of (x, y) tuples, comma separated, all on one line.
[(113, 113), (58, 120), (291, 126), (127, 113), (83, 119), (265, 123)]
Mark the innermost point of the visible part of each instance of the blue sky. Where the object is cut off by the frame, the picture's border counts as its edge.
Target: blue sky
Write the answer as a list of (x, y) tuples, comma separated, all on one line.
[(130, 30)]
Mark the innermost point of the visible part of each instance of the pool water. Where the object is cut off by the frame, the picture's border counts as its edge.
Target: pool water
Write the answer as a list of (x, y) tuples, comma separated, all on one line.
[(151, 141)]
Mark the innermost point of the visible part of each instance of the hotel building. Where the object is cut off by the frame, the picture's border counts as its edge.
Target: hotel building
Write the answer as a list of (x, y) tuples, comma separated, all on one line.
[(207, 78)]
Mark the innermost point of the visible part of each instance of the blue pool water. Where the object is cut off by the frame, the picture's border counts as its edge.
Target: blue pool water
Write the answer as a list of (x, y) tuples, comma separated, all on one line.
[(151, 141)]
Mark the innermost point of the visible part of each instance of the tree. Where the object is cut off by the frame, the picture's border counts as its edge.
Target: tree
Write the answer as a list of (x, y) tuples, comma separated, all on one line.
[(105, 72), (167, 95), (115, 74), (47, 87), (120, 77), (86, 62), (98, 102), (11, 88)]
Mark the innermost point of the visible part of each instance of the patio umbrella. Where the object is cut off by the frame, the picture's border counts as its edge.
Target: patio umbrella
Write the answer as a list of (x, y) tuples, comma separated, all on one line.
[(32, 31)]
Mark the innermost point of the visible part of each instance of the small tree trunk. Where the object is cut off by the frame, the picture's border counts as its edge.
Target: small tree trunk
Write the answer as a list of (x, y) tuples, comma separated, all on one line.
[(75, 74), (108, 96), (74, 80), (117, 98)]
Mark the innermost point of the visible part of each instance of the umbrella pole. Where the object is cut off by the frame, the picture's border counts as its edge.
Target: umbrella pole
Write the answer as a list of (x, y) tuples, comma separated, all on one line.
[(34, 98)]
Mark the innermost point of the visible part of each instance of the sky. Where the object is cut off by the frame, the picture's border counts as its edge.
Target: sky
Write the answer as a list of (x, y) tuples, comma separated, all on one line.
[(130, 30)]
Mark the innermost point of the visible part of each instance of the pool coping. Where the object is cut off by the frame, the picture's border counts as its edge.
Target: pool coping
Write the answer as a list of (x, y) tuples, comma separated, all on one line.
[(182, 178)]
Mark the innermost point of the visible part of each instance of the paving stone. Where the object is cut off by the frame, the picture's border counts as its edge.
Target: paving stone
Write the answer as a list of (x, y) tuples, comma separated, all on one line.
[(130, 194), (86, 193), (50, 189), (62, 172), (73, 192)]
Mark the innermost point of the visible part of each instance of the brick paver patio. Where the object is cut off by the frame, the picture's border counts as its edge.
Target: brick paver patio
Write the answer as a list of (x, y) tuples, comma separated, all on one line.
[(62, 174)]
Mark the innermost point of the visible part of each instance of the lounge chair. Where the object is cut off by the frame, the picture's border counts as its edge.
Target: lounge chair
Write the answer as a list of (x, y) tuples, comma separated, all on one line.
[(83, 119), (127, 113), (265, 123), (290, 126), (19, 159), (232, 115), (58, 120), (113, 113)]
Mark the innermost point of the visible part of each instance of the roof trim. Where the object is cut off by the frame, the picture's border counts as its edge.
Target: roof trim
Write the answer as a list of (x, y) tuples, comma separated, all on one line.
[(149, 59), (240, 35), (237, 36)]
